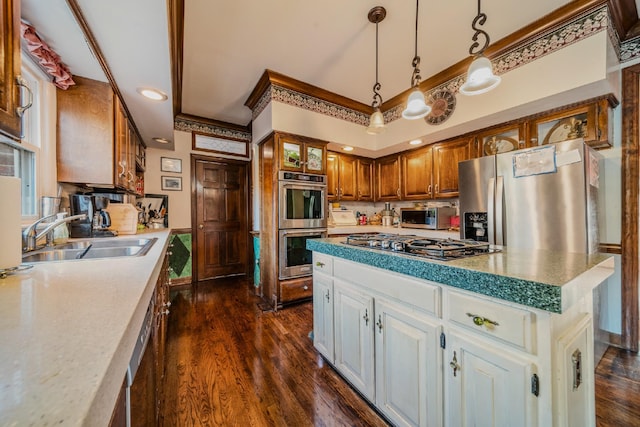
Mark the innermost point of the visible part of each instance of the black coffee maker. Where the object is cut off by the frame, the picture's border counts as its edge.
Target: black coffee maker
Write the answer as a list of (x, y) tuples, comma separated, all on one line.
[(101, 218), (82, 204), (96, 223)]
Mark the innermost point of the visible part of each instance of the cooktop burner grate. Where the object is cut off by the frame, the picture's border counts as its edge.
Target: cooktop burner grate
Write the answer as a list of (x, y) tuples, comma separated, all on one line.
[(430, 248)]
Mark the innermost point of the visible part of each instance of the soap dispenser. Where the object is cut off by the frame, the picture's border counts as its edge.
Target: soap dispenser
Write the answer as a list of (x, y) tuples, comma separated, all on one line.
[(61, 232)]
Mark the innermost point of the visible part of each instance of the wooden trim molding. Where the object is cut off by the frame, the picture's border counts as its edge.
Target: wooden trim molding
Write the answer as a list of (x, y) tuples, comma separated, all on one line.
[(630, 192), (610, 248), (624, 15), (175, 14), (181, 231)]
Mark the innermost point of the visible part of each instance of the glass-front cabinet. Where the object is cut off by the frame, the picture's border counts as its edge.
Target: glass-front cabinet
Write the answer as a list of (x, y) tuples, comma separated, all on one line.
[(502, 139), (301, 154), (590, 121)]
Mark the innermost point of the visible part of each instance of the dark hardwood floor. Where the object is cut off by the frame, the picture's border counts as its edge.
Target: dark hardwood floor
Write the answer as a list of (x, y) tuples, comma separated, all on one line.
[(231, 364), (618, 389)]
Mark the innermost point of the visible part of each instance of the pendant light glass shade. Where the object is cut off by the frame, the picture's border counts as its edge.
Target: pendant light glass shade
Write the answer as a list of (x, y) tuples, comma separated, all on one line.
[(376, 123), (416, 107), (480, 77)]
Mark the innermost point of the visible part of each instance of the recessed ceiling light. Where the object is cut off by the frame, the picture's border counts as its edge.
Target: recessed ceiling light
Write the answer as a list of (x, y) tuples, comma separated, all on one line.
[(154, 94), (161, 140), (415, 142), (347, 148)]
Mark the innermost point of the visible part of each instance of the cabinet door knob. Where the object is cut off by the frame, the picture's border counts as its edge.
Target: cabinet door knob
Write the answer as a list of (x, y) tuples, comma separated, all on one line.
[(454, 364), (327, 295), (200, 226), (365, 317), (379, 323), (305, 288)]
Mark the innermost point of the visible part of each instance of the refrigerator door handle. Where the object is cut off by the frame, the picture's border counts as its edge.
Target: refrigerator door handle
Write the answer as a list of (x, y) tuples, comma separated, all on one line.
[(499, 213), (491, 191)]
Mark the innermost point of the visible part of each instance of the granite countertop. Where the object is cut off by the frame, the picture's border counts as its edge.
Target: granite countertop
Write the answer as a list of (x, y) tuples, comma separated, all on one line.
[(546, 280), (67, 332)]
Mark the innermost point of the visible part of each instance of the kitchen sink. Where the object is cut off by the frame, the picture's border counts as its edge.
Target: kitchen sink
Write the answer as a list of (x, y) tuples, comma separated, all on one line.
[(91, 249)]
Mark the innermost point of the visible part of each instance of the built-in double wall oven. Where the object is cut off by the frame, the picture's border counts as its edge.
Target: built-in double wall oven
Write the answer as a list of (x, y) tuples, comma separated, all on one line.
[(302, 215)]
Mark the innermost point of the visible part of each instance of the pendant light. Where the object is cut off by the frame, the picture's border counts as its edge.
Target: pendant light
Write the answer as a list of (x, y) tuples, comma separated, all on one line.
[(480, 77), (416, 107), (376, 122)]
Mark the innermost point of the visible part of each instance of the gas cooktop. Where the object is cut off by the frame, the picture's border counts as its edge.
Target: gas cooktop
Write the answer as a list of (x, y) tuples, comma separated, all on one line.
[(424, 247)]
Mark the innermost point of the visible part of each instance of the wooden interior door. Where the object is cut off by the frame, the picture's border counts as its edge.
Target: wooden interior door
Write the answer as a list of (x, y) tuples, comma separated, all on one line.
[(221, 218)]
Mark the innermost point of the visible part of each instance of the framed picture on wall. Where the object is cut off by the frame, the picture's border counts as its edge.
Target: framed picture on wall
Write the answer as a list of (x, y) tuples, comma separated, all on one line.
[(168, 164), (171, 183)]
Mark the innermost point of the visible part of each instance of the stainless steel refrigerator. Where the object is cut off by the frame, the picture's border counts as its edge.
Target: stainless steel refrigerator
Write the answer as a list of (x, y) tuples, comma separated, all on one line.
[(536, 198)]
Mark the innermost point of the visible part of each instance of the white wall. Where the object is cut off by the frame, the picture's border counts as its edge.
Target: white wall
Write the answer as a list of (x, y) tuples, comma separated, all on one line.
[(179, 201)]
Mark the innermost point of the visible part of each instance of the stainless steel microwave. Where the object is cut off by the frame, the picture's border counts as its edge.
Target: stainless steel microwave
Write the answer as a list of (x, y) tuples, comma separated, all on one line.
[(302, 201), (431, 218)]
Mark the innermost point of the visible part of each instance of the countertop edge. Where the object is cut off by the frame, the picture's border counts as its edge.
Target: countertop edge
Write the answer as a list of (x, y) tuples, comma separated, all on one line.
[(108, 390), (534, 294)]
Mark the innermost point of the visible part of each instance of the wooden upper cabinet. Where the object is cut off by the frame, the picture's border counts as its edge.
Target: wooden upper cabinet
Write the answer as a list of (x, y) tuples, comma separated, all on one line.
[(302, 154), (446, 157), (417, 166), (589, 121), (500, 140), (97, 143), (347, 178), (333, 172), (365, 174), (10, 121), (343, 177), (85, 135), (388, 178)]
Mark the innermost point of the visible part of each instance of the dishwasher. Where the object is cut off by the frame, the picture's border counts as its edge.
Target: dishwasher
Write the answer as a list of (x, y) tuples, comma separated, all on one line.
[(141, 381)]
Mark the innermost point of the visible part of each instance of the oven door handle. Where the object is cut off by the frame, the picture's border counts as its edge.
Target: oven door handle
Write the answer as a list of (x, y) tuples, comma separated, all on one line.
[(313, 232)]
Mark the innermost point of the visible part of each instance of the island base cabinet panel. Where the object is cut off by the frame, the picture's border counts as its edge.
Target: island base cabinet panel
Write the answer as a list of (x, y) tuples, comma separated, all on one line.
[(576, 406), (408, 366), (323, 315), (485, 387), (353, 328)]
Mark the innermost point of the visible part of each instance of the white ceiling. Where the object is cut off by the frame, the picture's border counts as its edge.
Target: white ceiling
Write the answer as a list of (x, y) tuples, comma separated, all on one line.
[(228, 45)]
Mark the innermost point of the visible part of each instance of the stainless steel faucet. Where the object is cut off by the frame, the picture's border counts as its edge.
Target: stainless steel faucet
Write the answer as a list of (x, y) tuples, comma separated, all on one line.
[(30, 236)]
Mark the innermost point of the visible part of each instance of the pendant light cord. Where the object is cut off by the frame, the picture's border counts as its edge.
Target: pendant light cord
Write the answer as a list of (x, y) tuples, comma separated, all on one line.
[(415, 76), (377, 99)]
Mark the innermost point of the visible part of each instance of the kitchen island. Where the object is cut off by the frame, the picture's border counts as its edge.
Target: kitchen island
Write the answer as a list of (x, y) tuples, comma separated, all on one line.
[(67, 333), (498, 339)]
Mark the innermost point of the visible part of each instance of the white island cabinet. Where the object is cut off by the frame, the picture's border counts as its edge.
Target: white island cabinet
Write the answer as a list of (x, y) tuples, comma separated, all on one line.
[(434, 353)]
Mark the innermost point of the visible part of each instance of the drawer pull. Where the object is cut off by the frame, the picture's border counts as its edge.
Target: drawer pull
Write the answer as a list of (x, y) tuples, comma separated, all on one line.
[(483, 321), (305, 287), (319, 264), (454, 364)]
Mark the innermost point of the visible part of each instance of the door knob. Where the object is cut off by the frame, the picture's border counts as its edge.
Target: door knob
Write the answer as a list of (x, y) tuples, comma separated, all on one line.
[(201, 226)]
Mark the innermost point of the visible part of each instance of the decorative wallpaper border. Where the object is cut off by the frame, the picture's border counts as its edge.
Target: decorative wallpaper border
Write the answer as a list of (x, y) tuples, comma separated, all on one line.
[(187, 125), (629, 50), (580, 28), (311, 103)]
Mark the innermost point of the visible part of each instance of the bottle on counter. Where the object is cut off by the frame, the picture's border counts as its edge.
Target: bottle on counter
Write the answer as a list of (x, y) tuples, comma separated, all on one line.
[(61, 232)]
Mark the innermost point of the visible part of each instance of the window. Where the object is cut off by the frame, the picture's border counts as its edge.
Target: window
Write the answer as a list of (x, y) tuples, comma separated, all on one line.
[(33, 159)]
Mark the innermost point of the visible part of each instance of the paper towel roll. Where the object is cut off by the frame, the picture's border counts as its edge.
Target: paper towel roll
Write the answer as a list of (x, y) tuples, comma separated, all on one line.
[(10, 215)]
